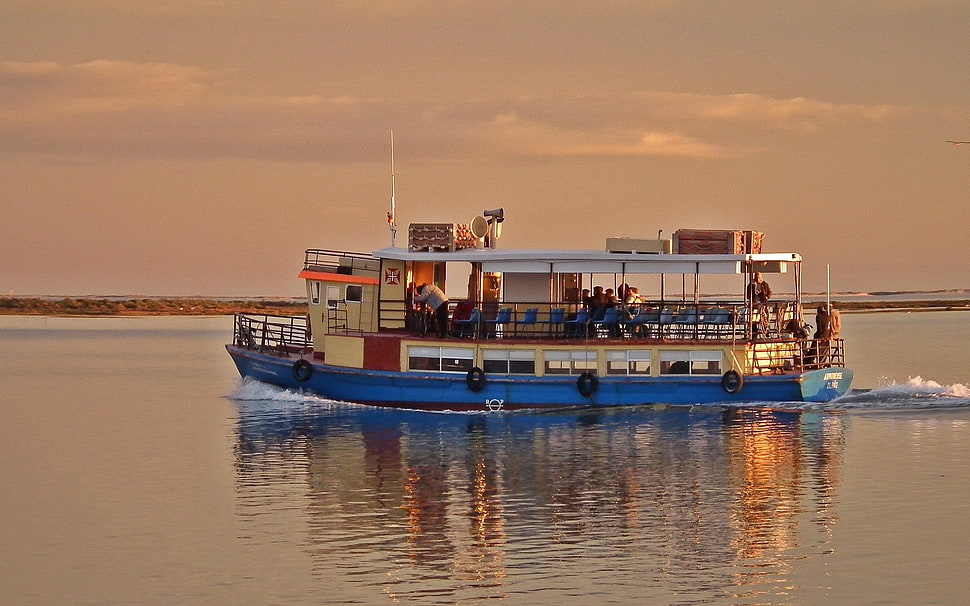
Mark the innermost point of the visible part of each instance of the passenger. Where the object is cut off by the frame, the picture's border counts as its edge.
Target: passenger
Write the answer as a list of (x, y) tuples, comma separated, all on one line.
[(434, 298), (819, 352), (758, 291), (621, 292), (633, 298), (612, 302), (823, 325), (835, 322), (599, 303), (795, 328), (631, 307)]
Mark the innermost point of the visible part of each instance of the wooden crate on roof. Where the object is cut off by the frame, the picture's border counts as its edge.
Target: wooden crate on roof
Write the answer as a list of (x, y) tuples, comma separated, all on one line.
[(717, 242), (440, 236)]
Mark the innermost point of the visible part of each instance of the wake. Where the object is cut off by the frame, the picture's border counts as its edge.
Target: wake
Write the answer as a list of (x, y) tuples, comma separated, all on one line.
[(915, 393)]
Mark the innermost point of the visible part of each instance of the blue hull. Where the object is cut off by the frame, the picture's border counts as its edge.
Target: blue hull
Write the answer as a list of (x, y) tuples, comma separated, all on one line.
[(451, 392)]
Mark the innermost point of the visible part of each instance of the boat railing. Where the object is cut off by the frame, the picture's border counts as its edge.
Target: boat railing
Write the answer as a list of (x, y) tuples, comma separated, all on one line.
[(337, 261), (710, 320), (774, 357), (271, 333)]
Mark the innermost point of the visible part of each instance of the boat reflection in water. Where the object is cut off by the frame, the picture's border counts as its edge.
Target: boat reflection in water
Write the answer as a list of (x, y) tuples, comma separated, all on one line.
[(636, 502)]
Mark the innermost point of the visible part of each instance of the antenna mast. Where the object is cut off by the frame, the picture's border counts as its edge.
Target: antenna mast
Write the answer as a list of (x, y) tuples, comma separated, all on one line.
[(391, 216)]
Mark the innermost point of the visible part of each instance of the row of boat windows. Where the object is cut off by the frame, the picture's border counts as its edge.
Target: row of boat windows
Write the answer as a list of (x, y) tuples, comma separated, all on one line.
[(564, 362), (354, 293)]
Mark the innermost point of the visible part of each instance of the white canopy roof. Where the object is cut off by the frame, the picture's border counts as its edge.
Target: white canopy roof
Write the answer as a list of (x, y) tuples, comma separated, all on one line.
[(537, 261)]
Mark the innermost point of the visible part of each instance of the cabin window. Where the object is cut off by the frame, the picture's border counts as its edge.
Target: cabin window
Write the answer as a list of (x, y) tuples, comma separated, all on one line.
[(565, 362), (315, 293), (690, 362), (509, 361), (628, 362), (355, 293), (441, 359), (705, 362)]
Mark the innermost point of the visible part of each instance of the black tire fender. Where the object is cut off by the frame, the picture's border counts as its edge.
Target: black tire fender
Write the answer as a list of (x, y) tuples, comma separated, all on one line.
[(587, 383), (732, 381), (475, 379), (302, 370)]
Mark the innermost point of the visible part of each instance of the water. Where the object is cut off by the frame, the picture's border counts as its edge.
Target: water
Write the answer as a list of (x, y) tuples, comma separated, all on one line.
[(137, 469)]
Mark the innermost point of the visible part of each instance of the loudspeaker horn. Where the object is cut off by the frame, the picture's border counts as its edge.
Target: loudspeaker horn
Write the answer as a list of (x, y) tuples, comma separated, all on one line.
[(498, 214)]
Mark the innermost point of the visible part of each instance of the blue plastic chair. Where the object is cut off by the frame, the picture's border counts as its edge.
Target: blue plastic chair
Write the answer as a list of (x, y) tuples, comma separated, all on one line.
[(716, 321), (556, 317), (497, 326), (530, 318), (469, 327), (635, 325), (666, 318), (686, 320), (610, 324), (578, 326)]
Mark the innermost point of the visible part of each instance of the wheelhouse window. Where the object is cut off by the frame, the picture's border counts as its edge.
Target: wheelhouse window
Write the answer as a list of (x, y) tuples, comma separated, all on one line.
[(509, 361), (355, 293), (565, 362), (628, 362), (690, 362), (314, 292), (441, 359)]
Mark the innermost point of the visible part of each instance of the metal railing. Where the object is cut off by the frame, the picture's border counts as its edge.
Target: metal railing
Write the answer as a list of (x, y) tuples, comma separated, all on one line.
[(334, 261), (800, 355), (714, 320), (271, 333)]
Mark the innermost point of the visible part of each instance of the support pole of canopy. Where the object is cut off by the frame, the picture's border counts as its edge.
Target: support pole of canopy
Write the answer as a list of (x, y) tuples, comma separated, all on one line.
[(828, 290), (697, 274)]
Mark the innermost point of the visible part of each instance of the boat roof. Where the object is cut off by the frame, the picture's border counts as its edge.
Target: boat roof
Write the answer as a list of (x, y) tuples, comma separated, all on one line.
[(589, 261)]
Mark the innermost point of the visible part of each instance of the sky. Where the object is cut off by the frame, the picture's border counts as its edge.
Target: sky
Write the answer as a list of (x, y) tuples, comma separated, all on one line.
[(198, 147)]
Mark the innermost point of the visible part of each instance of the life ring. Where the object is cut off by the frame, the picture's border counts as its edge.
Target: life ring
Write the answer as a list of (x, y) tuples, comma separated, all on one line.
[(587, 384), (302, 370), (475, 379), (732, 381)]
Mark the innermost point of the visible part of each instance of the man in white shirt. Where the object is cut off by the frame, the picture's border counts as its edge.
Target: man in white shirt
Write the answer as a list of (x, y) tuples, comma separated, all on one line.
[(438, 301)]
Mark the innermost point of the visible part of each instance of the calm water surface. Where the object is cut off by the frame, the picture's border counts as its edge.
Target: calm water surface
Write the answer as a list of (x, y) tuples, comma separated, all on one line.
[(137, 469)]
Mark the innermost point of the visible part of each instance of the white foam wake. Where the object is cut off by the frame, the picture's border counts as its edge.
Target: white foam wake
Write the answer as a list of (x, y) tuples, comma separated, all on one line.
[(249, 390), (915, 392)]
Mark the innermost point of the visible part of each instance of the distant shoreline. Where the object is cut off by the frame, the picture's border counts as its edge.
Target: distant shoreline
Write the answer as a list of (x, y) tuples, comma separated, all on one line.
[(147, 306), (175, 306)]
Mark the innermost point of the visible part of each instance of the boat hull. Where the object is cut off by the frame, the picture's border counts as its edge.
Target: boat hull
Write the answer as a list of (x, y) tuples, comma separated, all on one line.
[(451, 391)]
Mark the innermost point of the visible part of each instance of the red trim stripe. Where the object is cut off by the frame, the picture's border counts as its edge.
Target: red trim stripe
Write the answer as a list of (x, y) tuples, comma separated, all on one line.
[(328, 277)]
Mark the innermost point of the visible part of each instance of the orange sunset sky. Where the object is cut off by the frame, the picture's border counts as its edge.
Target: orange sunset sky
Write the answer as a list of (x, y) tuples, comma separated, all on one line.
[(197, 147)]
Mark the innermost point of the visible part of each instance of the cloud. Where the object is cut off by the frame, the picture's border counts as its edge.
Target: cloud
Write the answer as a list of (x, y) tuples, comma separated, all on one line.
[(48, 91), (115, 108), (791, 114), (515, 136)]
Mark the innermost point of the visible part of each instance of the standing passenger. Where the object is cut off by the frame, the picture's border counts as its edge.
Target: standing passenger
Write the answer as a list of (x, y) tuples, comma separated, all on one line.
[(438, 301), (835, 322), (823, 326)]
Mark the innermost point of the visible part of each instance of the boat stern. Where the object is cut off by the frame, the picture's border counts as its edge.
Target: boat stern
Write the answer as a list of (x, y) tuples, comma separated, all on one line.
[(825, 384)]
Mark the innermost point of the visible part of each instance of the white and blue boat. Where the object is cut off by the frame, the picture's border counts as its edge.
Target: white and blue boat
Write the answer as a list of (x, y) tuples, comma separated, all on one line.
[(523, 334)]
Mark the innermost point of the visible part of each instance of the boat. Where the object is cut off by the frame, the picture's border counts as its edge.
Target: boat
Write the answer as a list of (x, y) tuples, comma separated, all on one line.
[(524, 333)]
